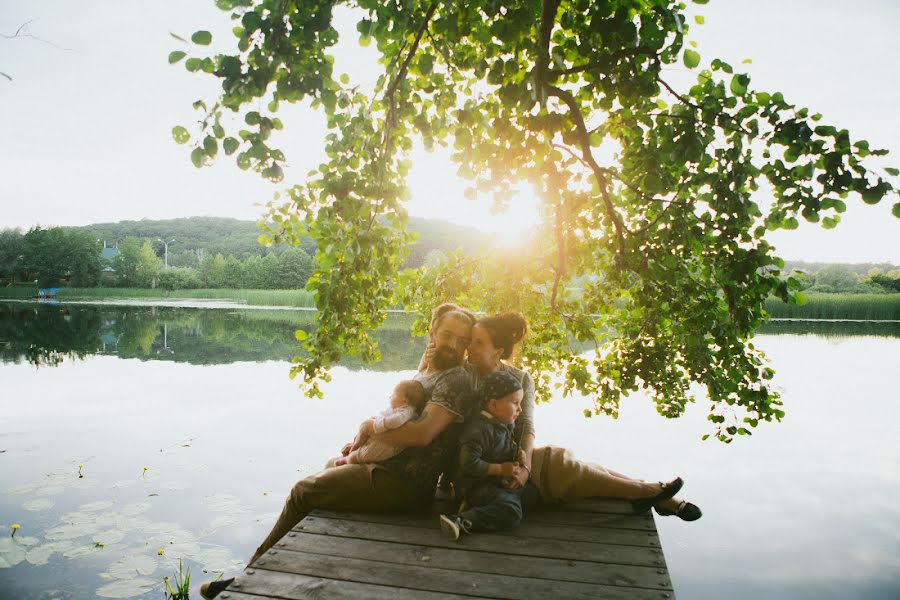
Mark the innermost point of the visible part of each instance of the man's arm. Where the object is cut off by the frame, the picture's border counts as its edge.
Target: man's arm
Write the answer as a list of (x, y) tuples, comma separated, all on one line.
[(435, 418)]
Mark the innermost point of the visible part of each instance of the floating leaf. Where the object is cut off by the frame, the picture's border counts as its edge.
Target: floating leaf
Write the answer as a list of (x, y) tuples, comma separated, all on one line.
[(131, 566), (135, 508), (110, 536), (95, 506), (38, 504), (126, 588), (218, 560), (50, 490), (13, 550)]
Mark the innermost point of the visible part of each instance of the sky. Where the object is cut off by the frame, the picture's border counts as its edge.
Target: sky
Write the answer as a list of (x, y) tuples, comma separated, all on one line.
[(85, 121)]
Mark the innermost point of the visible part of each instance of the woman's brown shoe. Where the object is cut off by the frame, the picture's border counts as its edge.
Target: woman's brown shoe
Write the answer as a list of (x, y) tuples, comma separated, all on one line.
[(668, 491), (686, 511)]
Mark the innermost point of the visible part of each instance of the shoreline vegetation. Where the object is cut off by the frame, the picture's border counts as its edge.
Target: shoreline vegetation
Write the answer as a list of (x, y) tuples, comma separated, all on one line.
[(818, 306)]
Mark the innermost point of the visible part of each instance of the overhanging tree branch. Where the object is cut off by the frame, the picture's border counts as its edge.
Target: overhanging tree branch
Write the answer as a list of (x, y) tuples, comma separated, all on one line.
[(588, 156)]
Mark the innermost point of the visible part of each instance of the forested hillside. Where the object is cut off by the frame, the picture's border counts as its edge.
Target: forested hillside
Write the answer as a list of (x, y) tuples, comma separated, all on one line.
[(196, 236)]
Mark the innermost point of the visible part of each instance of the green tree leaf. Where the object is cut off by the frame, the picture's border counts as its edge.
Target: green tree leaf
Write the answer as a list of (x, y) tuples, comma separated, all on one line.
[(180, 134), (691, 59), (203, 38), (175, 56)]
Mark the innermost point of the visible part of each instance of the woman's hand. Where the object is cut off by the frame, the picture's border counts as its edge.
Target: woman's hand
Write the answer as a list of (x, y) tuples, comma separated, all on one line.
[(346, 448)]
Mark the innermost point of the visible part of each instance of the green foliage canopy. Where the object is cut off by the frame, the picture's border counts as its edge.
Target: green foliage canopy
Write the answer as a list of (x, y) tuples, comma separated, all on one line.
[(667, 229)]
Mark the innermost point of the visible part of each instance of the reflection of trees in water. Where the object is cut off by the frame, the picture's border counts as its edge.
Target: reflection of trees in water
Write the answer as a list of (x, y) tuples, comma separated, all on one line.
[(837, 329), (43, 334)]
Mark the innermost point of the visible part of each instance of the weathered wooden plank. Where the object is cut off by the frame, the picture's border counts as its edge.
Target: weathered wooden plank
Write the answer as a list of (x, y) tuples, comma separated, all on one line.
[(633, 527), (613, 506), (639, 522), (484, 542), (480, 562), (261, 583), (631, 537), (445, 580)]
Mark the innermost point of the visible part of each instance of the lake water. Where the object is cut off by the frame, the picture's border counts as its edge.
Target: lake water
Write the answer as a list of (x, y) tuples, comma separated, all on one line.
[(190, 435)]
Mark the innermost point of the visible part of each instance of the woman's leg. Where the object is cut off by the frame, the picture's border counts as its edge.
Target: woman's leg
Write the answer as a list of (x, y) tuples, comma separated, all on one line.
[(559, 476), (671, 504)]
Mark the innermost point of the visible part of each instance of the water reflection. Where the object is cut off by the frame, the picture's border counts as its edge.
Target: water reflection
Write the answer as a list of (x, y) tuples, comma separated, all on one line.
[(47, 334), (802, 509)]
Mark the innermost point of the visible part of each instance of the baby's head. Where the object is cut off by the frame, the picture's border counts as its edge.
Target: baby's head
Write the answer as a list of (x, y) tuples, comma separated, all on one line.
[(408, 392), (501, 395)]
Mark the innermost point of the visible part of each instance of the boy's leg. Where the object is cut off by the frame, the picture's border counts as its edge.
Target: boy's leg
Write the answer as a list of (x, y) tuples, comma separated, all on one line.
[(493, 508), (365, 487)]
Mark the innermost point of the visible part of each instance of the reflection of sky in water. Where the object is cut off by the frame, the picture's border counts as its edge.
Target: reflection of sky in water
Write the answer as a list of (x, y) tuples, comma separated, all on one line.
[(804, 509)]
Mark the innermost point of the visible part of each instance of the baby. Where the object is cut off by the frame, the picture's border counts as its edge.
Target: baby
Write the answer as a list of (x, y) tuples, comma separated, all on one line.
[(407, 401), (488, 453)]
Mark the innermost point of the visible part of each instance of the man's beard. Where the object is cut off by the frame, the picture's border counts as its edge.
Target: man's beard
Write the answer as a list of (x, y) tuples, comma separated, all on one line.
[(446, 357)]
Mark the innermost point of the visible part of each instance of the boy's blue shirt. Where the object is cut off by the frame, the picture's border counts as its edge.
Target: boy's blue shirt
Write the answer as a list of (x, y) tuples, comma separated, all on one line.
[(484, 440)]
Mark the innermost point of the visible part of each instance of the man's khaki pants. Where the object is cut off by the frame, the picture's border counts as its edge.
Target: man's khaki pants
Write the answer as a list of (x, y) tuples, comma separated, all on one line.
[(364, 487)]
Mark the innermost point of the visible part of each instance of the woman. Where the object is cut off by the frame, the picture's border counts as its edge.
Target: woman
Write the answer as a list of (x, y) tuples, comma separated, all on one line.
[(554, 471)]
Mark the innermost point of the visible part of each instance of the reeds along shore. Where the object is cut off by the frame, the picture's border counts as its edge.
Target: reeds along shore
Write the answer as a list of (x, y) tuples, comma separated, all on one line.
[(863, 307), (859, 307)]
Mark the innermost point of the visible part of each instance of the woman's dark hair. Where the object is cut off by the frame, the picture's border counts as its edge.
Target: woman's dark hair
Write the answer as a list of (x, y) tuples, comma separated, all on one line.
[(449, 309), (506, 330)]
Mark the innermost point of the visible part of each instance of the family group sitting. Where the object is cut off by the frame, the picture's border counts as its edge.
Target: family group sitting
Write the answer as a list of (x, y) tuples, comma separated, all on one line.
[(467, 419)]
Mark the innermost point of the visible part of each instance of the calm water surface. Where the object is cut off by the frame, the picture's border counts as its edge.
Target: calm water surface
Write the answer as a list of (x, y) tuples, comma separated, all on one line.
[(191, 434)]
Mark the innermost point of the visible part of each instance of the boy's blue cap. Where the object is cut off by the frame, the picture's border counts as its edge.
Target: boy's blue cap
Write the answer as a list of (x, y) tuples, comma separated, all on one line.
[(497, 385)]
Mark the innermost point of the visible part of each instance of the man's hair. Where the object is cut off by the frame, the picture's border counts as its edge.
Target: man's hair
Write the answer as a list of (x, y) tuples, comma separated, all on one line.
[(448, 309), (414, 392)]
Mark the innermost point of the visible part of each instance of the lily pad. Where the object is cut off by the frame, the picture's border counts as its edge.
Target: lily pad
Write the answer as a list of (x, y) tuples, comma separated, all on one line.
[(216, 560), (110, 536), (163, 533), (21, 489), (95, 506), (135, 508), (38, 504), (81, 551), (183, 550), (225, 503), (70, 531), (132, 566), (13, 550), (126, 588), (50, 490), (40, 555), (223, 521), (126, 523)]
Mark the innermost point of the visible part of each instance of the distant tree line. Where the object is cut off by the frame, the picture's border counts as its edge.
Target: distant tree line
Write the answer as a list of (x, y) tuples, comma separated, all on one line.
[(844, 279), (63, 256), (224, 253)]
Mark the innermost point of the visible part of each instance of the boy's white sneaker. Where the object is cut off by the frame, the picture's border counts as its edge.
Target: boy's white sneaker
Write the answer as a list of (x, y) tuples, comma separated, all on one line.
[(453, 525)]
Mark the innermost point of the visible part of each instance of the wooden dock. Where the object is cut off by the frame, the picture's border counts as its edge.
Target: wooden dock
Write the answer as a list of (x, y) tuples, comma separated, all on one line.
[(588, 549)]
